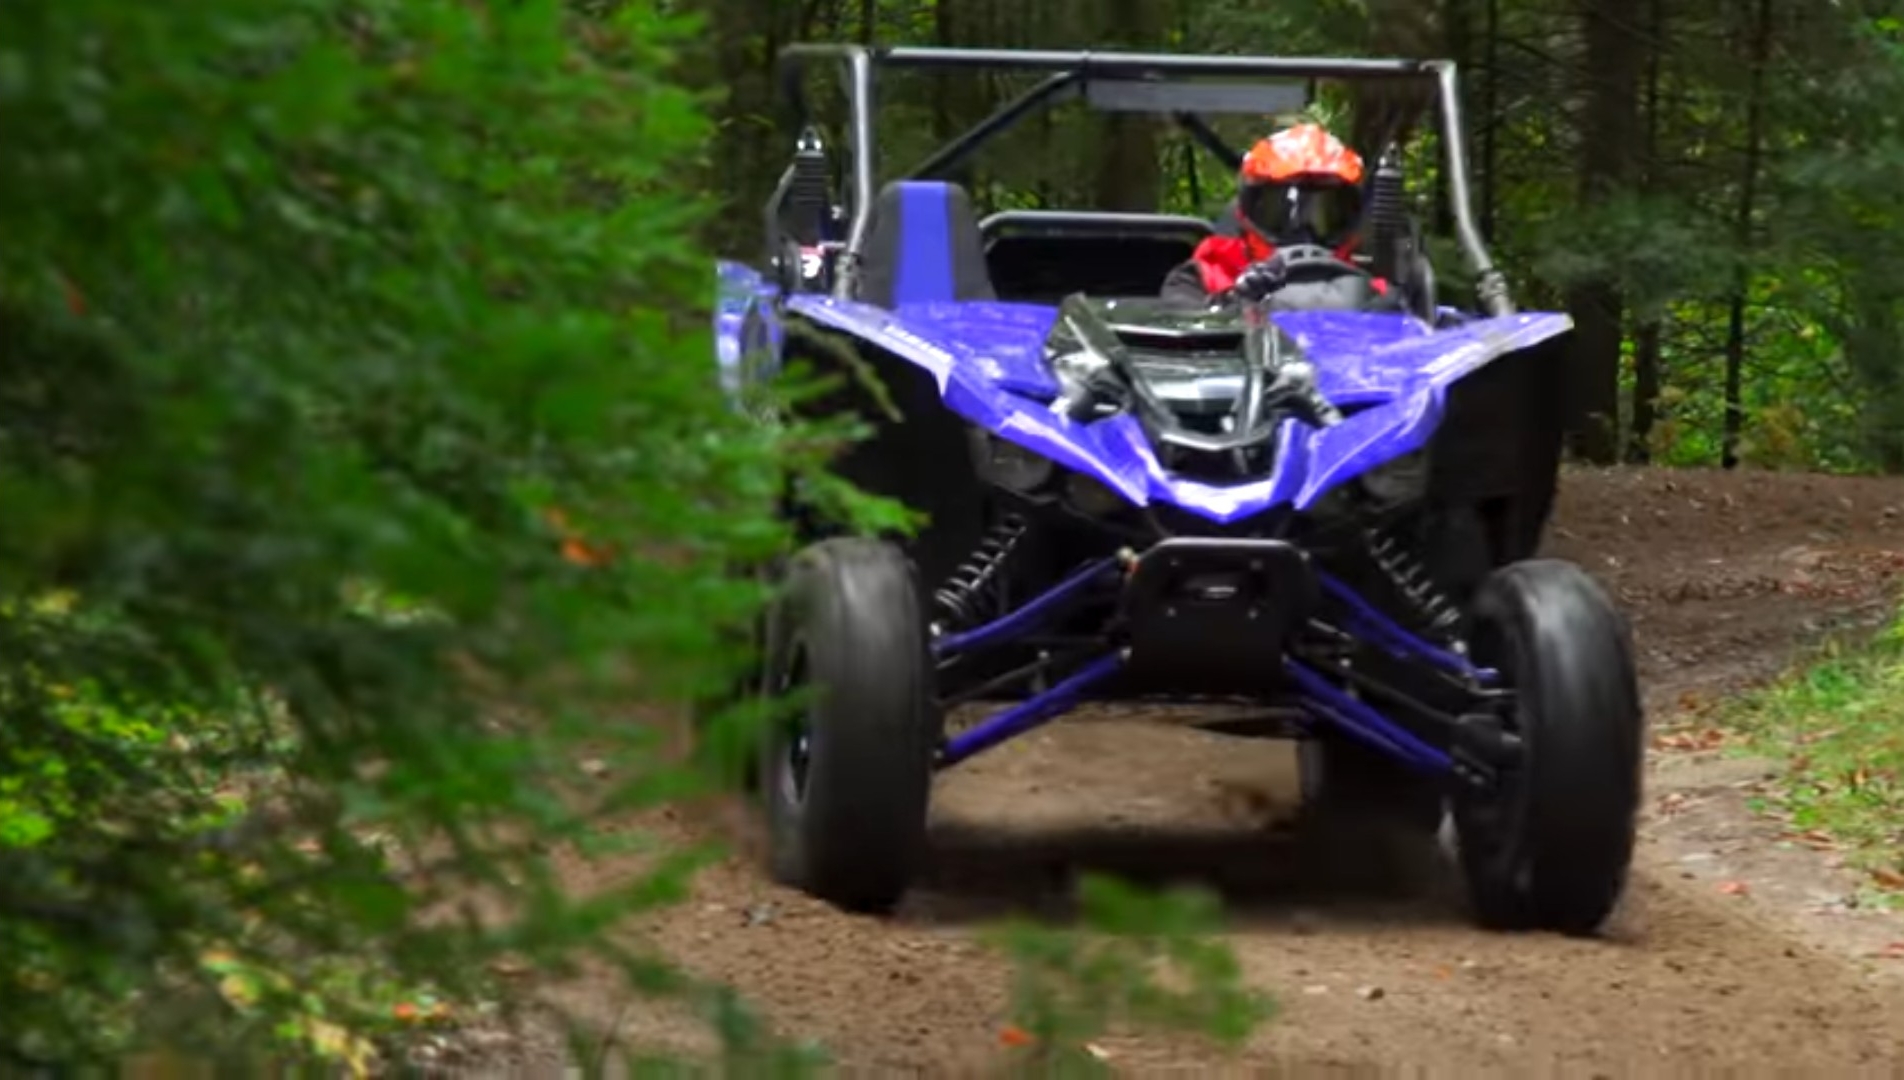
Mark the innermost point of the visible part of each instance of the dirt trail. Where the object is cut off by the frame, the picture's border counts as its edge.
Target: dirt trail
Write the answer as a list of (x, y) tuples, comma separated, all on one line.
[(1724, 575)]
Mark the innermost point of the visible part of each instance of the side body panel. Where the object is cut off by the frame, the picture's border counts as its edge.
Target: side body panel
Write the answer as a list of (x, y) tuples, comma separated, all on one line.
[(747, 331)]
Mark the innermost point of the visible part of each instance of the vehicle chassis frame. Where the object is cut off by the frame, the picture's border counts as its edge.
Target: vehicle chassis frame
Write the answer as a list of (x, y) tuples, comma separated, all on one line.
[(1070, 71), (1477, 745), (1321, 637)]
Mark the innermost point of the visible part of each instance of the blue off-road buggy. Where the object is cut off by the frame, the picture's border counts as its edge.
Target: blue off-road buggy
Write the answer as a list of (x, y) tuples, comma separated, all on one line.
[(1326, 503)]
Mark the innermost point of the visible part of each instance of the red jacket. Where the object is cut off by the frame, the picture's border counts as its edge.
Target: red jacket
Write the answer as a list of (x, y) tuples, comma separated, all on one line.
[(1220, 260)]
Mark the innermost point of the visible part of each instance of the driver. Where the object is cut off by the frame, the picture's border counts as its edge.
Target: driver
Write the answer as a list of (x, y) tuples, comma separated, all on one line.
[(1299, 186)]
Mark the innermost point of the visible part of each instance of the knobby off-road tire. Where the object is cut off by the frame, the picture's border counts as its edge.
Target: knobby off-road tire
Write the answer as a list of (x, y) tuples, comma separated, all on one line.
[(1550, 850), (846, 804)]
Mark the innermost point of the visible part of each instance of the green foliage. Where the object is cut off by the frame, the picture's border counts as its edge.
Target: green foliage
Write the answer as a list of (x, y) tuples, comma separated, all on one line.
[(1837, 184), (1837, 725), (1137, 958), (1651, 246), (331, 330), (1820, 336), (305, 307)]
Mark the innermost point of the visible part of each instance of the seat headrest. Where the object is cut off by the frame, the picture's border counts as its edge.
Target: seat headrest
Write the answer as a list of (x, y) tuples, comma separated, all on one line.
[(924, 247)]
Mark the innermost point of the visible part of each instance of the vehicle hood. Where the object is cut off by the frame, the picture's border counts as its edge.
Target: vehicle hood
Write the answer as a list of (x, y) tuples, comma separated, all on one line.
[(1390, 370), (1361, 358)]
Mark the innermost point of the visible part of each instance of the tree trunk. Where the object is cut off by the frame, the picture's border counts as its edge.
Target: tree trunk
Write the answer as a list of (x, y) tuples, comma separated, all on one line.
[(1593, 399), (944, 34), (1490, 118), (1870, 335), (1646, 380), (1129, 172), (1609, 135), (1389, 109), (749, 150), (1743, 238), (1457, 27), (1646, 339)]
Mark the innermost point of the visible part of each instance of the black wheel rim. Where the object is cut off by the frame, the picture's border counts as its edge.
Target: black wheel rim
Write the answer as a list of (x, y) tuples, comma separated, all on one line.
[(1493, 822)]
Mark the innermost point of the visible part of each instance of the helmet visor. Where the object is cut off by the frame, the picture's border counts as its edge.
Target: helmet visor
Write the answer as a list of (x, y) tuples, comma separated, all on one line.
[(1302, 213)]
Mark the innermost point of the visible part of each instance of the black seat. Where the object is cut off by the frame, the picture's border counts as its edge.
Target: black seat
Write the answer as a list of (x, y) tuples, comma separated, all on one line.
[(924, 247), (1042, 256)]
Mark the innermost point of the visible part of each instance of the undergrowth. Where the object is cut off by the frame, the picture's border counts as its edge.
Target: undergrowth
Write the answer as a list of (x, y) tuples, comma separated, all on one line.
[(1836, 724), (362, 473)]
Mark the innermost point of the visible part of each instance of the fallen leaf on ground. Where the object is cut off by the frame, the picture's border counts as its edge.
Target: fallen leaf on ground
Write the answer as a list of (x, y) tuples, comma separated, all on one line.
[(1893, 951), (1734, 888), (1815, 839), (1013, 1035), (1888, 878), (1709, 738)]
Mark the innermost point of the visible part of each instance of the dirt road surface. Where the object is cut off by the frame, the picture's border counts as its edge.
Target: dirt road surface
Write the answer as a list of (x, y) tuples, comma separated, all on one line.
[(1735, 949)]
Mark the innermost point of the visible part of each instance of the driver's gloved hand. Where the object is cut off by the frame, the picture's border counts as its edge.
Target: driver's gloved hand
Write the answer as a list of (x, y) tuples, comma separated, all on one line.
[(1260, 279)]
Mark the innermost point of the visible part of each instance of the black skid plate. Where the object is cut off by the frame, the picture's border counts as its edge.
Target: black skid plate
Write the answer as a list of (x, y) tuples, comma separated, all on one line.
[(1212, 615)]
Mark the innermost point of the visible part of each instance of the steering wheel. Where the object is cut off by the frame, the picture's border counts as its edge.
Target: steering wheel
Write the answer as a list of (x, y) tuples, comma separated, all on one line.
[(1313, 262)]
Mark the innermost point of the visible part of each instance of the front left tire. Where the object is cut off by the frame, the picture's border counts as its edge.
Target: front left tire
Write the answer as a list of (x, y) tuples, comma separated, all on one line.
[(1549, 848), (847, 781)]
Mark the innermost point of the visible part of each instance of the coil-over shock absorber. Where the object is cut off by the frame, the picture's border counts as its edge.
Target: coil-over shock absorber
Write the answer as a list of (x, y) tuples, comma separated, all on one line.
[(962, 598), (1409, 574), (1388, 216), (1396, 239), (807, 189), (800, 217)]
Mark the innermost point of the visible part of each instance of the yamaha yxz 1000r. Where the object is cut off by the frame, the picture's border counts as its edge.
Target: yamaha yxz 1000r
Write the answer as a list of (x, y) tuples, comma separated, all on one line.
[(1327, 501)]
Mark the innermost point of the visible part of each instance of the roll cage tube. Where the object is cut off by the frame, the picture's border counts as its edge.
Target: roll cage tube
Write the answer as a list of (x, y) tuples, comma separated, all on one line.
[(1071, 70)]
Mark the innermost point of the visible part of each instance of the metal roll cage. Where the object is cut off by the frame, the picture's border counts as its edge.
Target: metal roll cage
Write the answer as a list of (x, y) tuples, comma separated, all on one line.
[(1071, 72)]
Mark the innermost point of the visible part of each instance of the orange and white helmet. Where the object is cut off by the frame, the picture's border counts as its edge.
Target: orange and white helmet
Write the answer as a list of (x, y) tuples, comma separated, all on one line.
[(1301, 185)]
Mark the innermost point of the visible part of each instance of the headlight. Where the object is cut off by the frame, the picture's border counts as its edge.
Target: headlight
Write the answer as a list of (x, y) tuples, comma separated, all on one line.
[(1089, 497), (1007, 464), (1400, 480)]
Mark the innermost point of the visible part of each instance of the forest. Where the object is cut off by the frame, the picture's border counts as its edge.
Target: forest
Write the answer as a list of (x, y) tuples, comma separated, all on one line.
[(1701, 185), (327, 326)]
